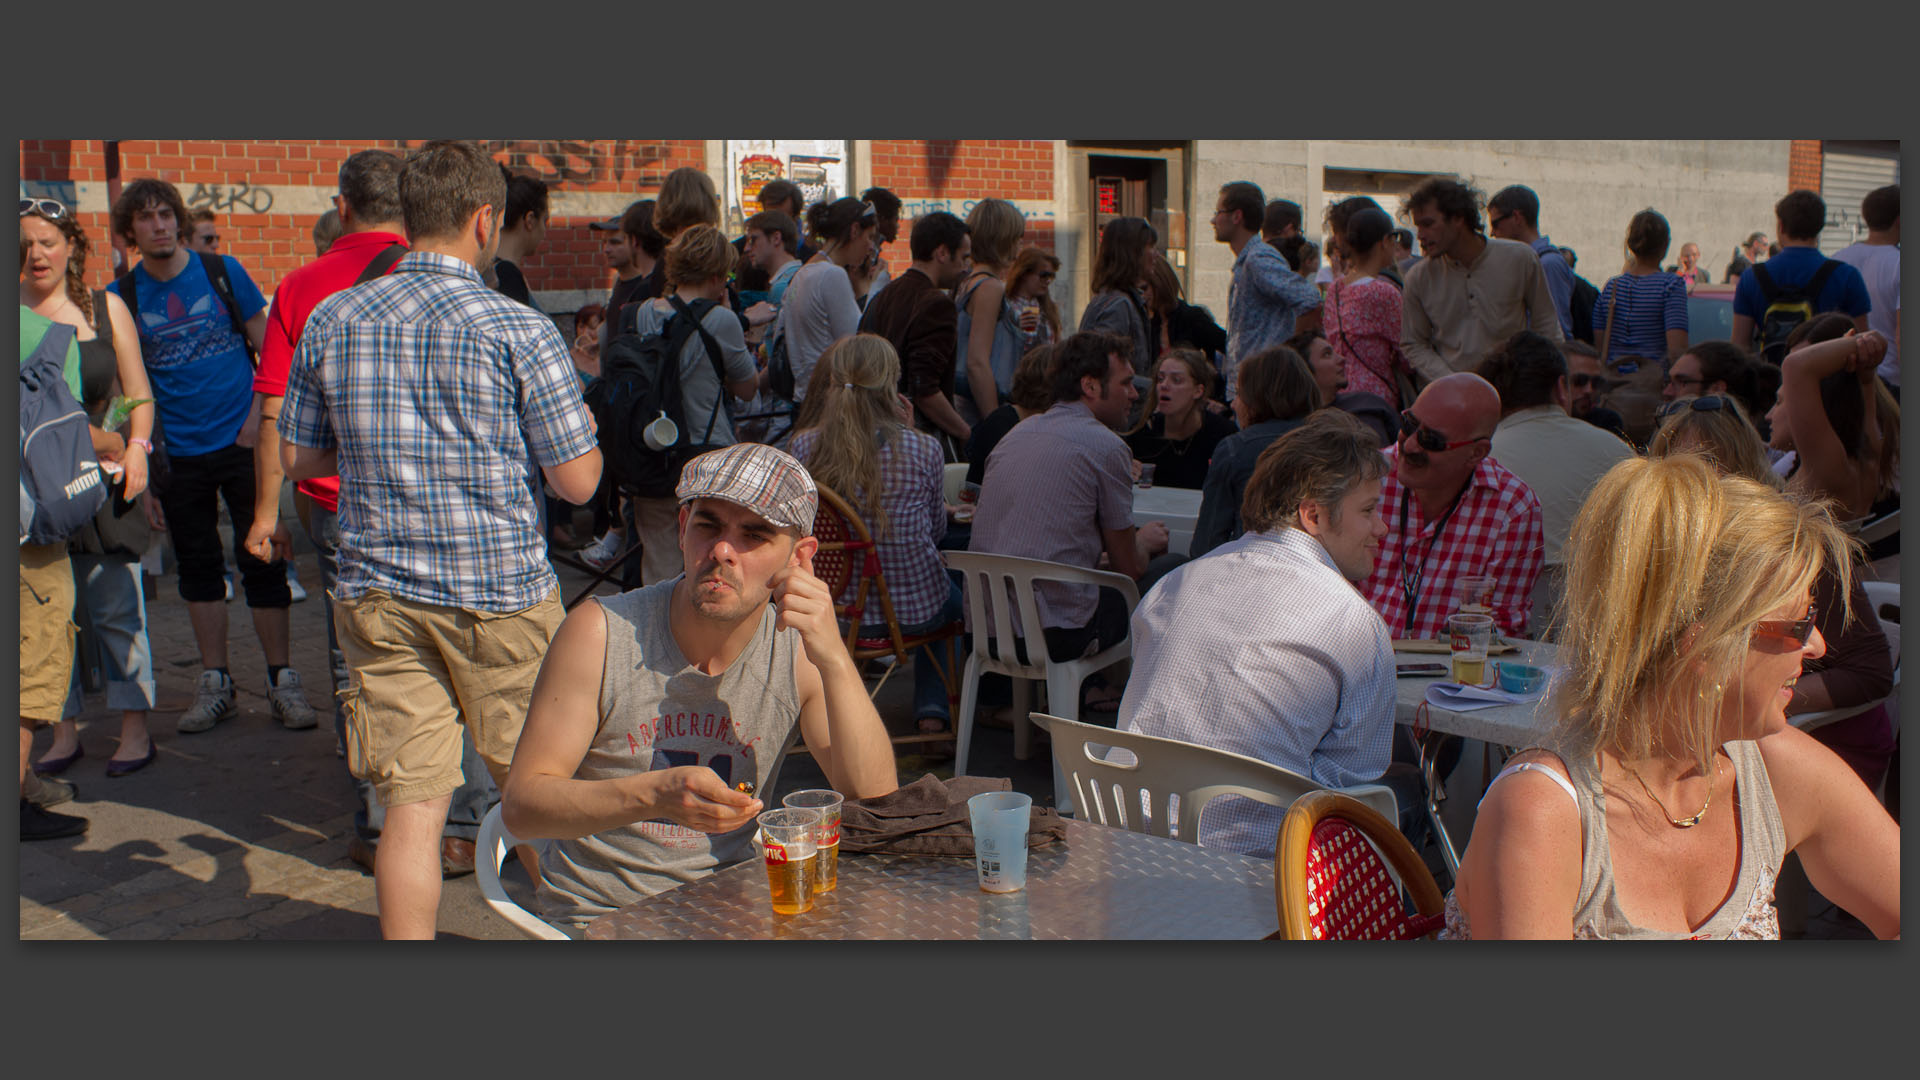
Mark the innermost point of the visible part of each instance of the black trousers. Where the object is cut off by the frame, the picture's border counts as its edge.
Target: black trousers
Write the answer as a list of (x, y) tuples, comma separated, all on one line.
[(191, 501)]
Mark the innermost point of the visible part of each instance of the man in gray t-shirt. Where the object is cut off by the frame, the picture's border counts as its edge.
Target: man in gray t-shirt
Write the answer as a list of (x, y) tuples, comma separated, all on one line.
[(651, 705)]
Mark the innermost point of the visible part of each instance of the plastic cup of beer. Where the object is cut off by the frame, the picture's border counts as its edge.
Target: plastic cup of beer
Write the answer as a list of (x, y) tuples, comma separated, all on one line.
[(1146, 475), (1000, 839), (1474, 596), (787, 847), (1471, 636), (826, 835)]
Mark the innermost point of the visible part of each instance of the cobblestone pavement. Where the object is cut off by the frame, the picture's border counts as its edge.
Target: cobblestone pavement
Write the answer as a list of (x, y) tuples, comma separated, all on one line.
[(242, 831)]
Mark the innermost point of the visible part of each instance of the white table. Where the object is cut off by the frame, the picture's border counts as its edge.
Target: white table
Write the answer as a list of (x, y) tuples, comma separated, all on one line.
[(1178, 507), (1518, 726)]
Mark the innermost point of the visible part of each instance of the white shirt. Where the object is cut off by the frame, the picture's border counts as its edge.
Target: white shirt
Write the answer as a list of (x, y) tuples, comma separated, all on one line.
[(1262, 648), (1880, 265), (1561, 459)]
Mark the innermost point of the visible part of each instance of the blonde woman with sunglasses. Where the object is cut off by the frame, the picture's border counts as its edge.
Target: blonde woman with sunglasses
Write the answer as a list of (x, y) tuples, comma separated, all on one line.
[(1675, 786)]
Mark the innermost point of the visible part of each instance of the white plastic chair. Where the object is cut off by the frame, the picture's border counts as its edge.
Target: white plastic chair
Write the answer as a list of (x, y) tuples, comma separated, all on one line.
[(490, 851), (1877, 529), (1883, 597), (1169, 782), (996, 576)]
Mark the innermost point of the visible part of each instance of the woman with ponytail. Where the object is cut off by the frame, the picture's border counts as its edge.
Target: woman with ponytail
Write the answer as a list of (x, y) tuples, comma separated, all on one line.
[(819, 306), (893, 477)]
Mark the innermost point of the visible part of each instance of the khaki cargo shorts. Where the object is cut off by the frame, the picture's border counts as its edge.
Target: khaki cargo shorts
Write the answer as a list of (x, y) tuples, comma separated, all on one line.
[(418, 671), (46, 631)]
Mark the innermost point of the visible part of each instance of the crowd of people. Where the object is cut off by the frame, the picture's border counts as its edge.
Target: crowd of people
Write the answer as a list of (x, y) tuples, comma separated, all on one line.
[(1368, 432)]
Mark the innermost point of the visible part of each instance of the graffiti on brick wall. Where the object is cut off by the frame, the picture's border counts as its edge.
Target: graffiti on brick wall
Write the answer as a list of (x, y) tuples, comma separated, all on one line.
[(231, 198), (64, 191), (575, 161), (914, 208)]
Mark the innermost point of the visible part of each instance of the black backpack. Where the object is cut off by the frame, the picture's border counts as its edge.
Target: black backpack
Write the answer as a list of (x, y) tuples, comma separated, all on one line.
[(639, 380), (61, 485), (216, 268), (1787, 307), (1580, 308)]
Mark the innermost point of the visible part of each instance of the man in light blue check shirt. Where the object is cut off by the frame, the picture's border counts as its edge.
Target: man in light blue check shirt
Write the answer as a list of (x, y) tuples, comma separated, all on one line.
[(1267, 301), (1263, 647), (428, 393)]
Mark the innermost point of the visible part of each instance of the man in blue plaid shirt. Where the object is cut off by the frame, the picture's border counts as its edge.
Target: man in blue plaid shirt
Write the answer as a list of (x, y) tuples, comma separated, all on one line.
[(427, 392)]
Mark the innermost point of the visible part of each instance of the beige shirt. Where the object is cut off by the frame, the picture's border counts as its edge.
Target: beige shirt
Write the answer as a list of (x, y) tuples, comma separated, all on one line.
[(1452, 314), (1561, 459)]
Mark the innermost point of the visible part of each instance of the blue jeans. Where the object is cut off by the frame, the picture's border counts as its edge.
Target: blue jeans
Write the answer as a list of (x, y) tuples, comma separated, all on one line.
[(473, 798), (929, 693), (113, 611)]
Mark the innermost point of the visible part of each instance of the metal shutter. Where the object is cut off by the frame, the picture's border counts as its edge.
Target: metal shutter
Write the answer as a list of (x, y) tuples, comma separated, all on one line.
[(1846, 176)]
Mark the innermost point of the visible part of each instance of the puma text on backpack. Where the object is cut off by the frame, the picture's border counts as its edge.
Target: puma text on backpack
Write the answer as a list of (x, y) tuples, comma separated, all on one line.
[(1787, 307), (61, 486), (639, 380)]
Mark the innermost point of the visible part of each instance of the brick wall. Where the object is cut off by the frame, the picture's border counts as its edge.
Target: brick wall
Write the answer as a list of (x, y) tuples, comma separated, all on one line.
[(269, 193), (962, 170), (1803, 165)]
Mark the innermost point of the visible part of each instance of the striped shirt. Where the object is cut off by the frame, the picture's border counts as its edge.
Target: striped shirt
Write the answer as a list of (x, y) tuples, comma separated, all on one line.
[(1649, 306), (913, 493), (439, 393), (1495, 530), (1262, 648)]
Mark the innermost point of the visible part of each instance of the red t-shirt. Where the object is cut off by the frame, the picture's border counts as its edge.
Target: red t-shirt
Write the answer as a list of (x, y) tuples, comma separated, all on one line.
[(298, 294)]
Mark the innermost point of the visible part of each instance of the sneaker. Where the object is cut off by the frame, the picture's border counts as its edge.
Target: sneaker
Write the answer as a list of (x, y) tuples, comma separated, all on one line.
[(38, 824), (45, 791), (601, 553), (294, 587), (289, 704), (212, 703), (229, 585)]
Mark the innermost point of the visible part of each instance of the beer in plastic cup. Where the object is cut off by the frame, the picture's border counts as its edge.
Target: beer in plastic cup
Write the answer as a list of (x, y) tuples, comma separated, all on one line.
[(1470, 636), (1000, 839), (826, 835), (787, 847), (1475, 596)]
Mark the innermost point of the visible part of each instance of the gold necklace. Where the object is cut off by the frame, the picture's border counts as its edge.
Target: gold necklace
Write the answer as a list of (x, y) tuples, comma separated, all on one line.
[(1679, 823)]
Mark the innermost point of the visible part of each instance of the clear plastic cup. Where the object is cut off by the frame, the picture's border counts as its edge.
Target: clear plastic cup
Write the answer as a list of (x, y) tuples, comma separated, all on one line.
[(1146, 475), (826, 835), (787, 847), (1000, 821), (1470, 637)]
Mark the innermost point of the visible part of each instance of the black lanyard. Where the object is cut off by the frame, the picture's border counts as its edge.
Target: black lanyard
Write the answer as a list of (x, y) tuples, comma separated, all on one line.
[(1410, 575)]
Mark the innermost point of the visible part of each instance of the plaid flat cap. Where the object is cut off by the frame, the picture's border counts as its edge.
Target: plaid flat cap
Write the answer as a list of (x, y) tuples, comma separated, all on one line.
[(766, 481)]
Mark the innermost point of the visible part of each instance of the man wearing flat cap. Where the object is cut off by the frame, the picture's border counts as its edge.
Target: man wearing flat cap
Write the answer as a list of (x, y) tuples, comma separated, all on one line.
[(654, 704)]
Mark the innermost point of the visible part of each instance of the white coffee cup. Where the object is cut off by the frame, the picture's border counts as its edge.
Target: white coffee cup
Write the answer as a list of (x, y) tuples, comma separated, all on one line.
[(661, 434)]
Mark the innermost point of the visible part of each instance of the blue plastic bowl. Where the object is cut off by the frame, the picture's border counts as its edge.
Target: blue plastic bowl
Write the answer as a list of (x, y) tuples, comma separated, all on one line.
[(1520, 678)]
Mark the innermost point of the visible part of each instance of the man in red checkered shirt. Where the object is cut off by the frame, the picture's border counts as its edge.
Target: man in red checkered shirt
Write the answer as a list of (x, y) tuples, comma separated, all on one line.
[(1452, 512)]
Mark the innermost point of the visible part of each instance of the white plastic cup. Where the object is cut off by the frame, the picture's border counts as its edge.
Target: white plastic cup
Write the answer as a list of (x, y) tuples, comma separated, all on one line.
[(1000, 820), (1146, 476), (661, 434)]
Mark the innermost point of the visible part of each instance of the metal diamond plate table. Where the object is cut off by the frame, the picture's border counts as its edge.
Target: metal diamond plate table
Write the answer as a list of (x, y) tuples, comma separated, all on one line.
[(1101, 884)]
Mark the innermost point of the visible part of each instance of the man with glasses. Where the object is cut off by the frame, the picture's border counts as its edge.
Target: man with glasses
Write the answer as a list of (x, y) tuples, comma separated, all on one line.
[(1514, 214), (204, 236), (1266, 301), (1586, 385), (1558, 457), (1471, 292), (1453, 512), (917, 316)]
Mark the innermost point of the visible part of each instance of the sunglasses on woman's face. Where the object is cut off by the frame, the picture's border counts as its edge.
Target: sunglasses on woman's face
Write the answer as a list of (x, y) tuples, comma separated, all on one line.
[(51, 209), (1425, 437), (1795, 632)]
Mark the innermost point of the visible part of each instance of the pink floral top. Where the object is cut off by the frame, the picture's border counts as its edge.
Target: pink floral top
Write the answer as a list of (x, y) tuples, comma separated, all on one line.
[(1362, 323)]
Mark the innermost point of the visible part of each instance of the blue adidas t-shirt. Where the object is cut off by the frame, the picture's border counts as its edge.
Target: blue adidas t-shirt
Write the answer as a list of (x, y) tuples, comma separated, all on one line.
[(1845, 290), (197, 363)]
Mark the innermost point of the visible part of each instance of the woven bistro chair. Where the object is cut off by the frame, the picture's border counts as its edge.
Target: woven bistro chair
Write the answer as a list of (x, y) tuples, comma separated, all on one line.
[(1339, 869), (848, 560)]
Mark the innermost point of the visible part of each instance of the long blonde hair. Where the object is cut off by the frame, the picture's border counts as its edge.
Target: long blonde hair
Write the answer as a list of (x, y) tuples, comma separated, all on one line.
[(857, 417), (1670, 564)]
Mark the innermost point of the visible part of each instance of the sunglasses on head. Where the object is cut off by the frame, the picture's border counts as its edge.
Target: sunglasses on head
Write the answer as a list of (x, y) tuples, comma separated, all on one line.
[(1796, 632), (51, 209), (1710, 403), (868, 215), (1425, 437)]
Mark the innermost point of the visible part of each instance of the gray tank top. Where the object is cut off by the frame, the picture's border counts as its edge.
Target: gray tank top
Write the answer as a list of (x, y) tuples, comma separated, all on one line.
[(657, 711)]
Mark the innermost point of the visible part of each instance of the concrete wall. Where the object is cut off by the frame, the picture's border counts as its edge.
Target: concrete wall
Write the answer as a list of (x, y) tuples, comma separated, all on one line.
[(1712, 192)]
